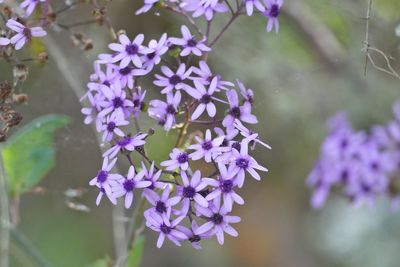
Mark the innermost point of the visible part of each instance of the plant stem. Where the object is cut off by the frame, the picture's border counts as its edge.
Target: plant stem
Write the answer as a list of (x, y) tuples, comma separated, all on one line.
[(4, 220), (73, 76)]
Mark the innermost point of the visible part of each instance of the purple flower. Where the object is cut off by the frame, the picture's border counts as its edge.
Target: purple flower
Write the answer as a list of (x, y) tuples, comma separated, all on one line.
[(24, 34), (166, 228), (224, 187), (179, 159), (248, 134), (101, 77), (243, 162), (129, 51), (165, 112), (149, 175), (4, 41), (127, 143), (148, 4), (104, 181), (172, 80), (206, 8), (157, 50), (189, 43), (161, 204), (204, 97), (127, 186), (138, 101), (192, 237), (273, 9), (110, 127), (208, 148), (218, 221), (30, 6), (190, 191), (206, 76), (250, 4), (242, 113), (115, 102), (247, 93), (126, 75)]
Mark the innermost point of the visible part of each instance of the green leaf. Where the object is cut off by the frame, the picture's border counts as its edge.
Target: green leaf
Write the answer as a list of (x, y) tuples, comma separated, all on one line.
[(100, 263), (29, 154), (136, 253)]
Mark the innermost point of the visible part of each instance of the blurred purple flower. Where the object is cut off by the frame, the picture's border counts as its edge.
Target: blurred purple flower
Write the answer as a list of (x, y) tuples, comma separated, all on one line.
[(178, 159), (24, 34), (208, 148), (166, 228), (189, 43), (172, 80), (127, 186), (129, 51), (218, 221), (273, 10)]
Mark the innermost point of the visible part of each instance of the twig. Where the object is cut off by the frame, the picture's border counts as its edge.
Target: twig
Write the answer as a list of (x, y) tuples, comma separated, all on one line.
[(366, 42), (4, 220), (72, 75), (388, 69)]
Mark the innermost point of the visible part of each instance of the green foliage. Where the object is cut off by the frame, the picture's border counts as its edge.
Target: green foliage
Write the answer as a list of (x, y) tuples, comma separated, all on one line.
[(387, 9), (100, 263), (29, 155), (136, 253)]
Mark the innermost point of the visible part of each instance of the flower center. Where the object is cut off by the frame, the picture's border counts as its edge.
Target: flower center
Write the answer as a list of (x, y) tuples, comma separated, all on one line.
[(242, 163), (175, 79), (27, 32), (111, 126), (375, 166), (124, 141), (274, 12), (217, 218), (171, 109), (192, 42), (165, 229), (195, 239), (117, 102), (189, 192), (102, 176), (106, 83), (207, 145), (136, 103), (235, 112), (151, 55), (125, 71), (226, 186), (236, 146), (160, 207), (129, 185), (131, 49), (182, 158), (205, 99)]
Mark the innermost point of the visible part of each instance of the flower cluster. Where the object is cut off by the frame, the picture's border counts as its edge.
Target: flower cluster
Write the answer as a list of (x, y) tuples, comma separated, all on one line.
[(271, 9), (364, 164), (19, 33), (184, 204)]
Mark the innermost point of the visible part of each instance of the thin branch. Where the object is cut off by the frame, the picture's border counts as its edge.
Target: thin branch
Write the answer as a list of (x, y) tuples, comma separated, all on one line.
[(4, 220), (366, 42)]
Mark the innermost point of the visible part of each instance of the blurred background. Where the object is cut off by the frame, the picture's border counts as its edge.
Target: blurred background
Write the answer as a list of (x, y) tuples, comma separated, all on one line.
[(309, 71)]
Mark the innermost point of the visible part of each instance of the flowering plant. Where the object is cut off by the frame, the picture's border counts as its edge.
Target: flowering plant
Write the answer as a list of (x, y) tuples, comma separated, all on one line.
[(185, 203)]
